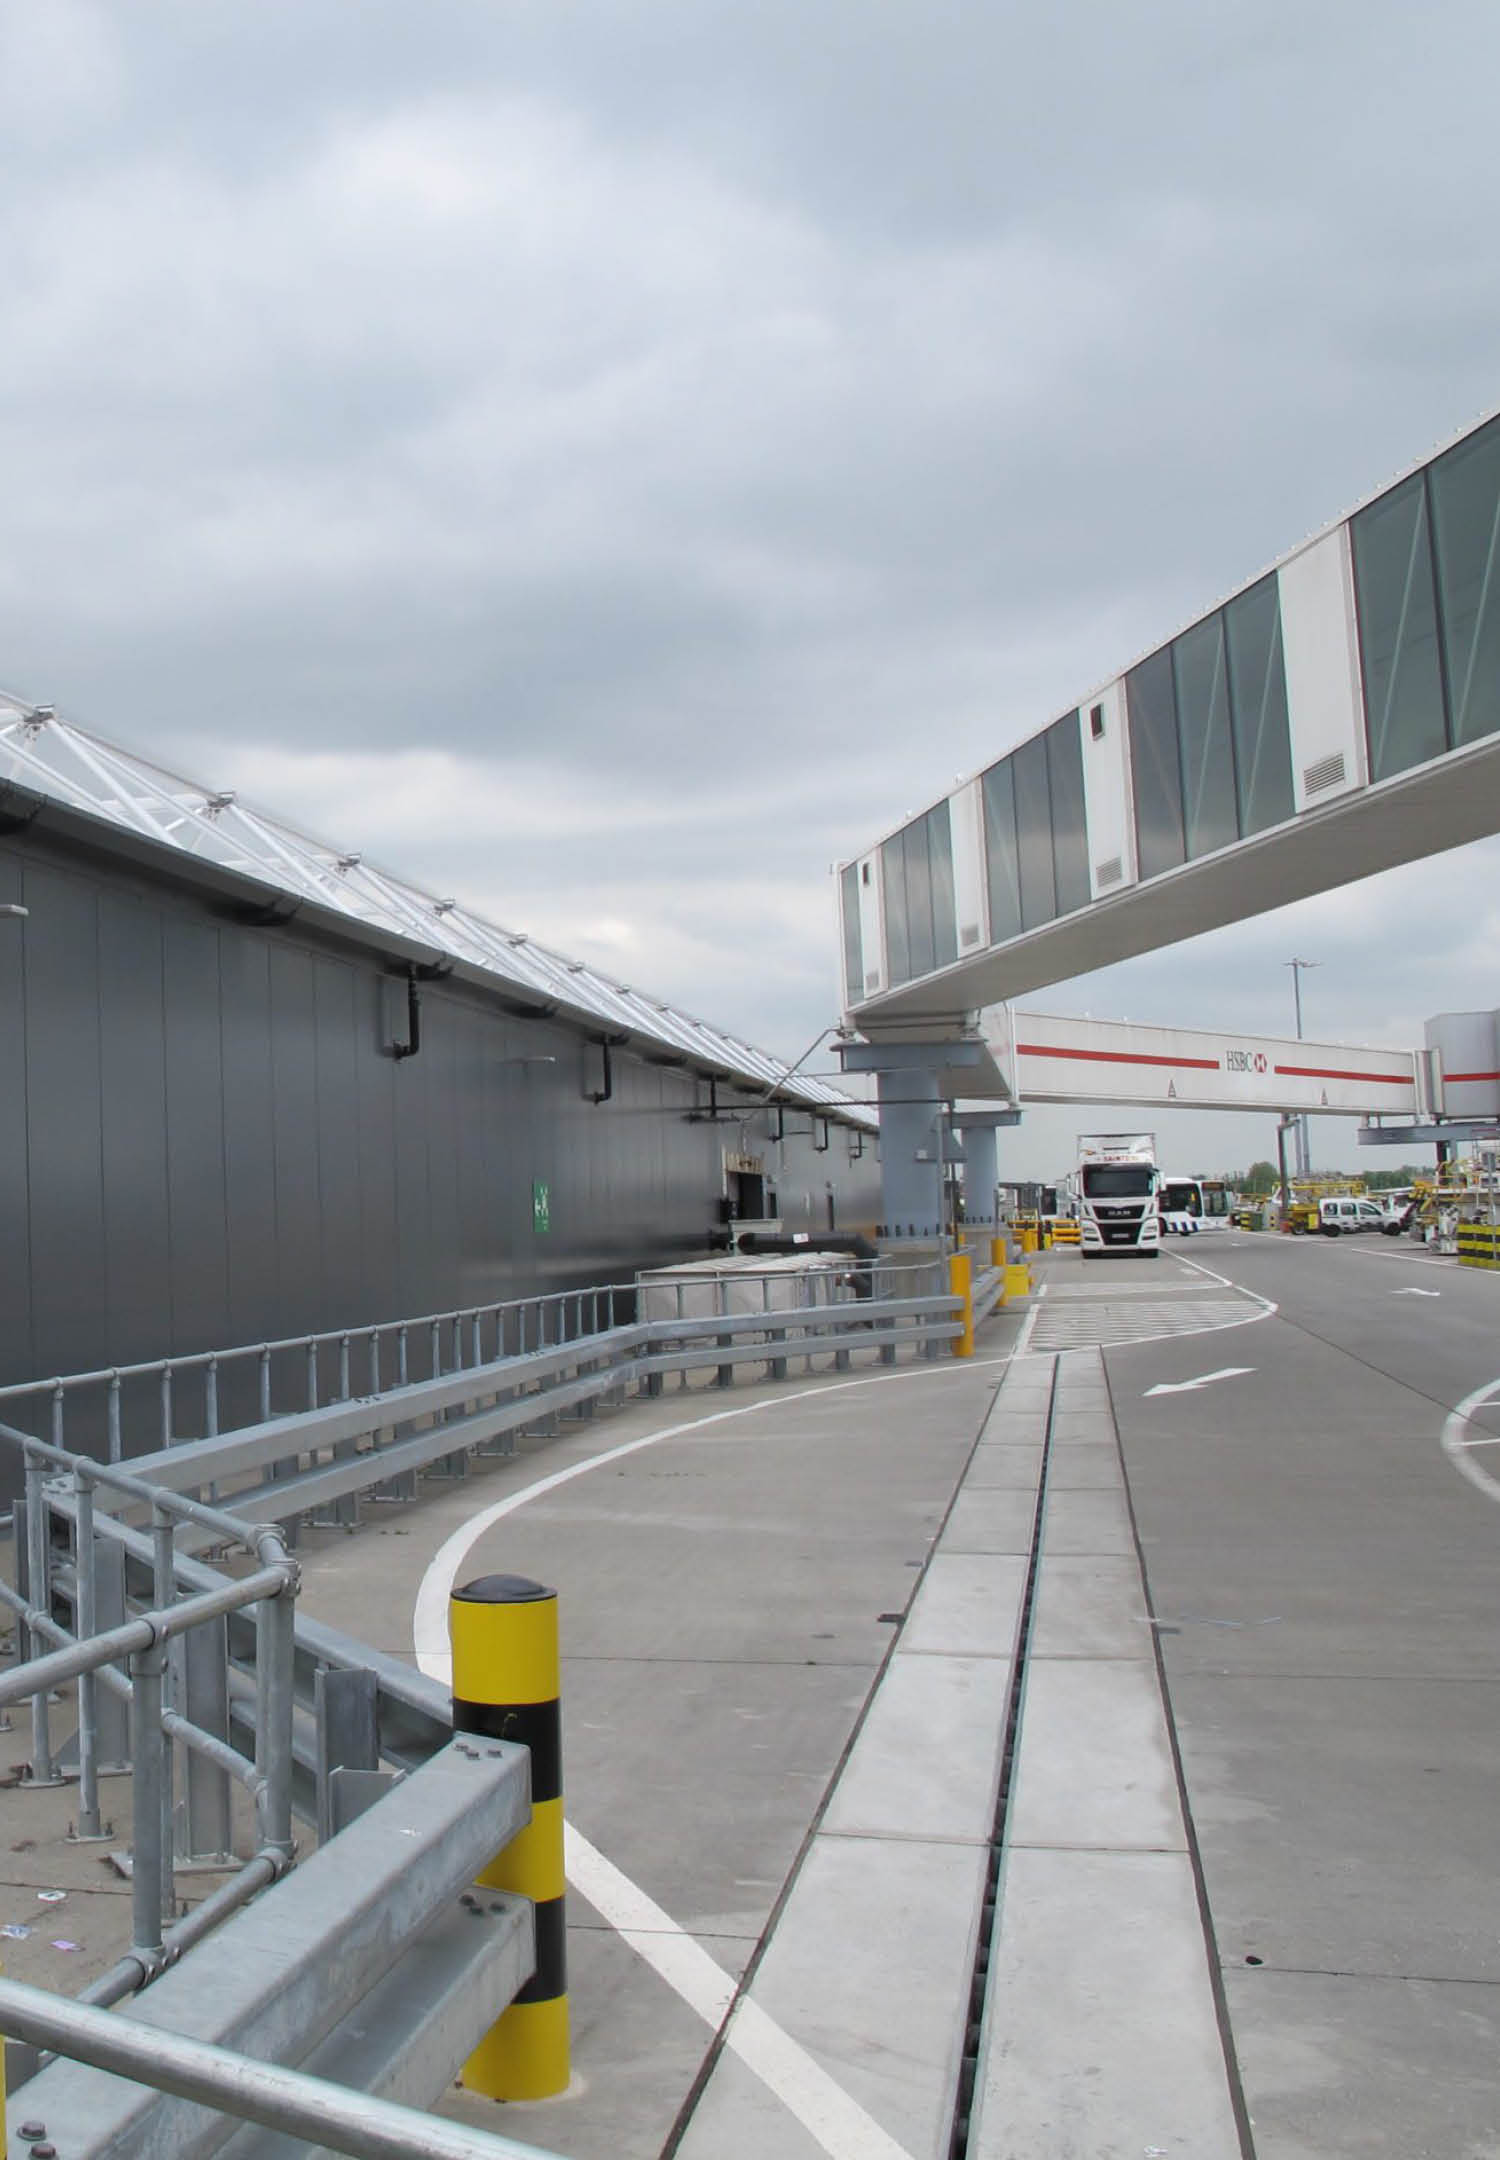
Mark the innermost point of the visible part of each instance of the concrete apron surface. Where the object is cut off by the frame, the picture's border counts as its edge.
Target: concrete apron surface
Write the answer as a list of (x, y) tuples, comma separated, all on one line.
[(729, 1594), (791, 1638)]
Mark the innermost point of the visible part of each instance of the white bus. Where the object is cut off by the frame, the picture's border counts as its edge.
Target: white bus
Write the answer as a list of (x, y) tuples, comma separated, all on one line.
[(1192, 1204)]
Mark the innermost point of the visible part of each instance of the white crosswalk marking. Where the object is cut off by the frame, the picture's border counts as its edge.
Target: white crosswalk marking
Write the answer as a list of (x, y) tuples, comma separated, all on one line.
[(1064, 1325)]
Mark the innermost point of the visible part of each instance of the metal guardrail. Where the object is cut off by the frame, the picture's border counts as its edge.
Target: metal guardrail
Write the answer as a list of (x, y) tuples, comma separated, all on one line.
[(212, 1390), (218, 1666), (244, 2086), (371, 1953), (323, 1453), (92, 1658)]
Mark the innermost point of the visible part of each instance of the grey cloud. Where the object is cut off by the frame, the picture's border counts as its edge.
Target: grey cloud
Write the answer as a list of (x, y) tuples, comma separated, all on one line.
[(794, 406)]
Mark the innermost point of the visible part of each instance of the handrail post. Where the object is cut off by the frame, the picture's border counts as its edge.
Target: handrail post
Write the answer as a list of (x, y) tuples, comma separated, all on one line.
[(39, 1592), (275, 1651), (164, 1595), (724, 1377), (88, 1682), (112, 1418), (146, 1784)]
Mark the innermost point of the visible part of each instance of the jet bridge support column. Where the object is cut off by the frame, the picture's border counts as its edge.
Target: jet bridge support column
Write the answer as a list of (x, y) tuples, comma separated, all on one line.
[(914, 1094), (981, 1161)]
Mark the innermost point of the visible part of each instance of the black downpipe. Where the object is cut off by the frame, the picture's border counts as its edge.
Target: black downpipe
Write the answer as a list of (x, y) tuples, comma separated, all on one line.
[(608, 1073), (413, 1042)]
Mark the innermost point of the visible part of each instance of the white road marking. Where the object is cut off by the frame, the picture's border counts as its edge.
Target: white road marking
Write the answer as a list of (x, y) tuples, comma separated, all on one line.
[(1378, 1252), (430, 1614), (839, 2124), (1028, 1326), (1186, 1387), (830, 2116), (1199, 1269), (1410, 1290), (1459, 1449)]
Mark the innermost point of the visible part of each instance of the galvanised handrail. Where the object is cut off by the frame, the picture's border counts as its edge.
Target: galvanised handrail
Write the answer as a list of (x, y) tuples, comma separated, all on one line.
[(91, 1656), (245, 2087), (430, 1342), (369, 1358), (642, 1349)]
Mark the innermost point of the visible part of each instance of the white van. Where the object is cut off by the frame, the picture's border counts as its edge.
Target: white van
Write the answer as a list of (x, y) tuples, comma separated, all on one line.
[(1344, 1214)]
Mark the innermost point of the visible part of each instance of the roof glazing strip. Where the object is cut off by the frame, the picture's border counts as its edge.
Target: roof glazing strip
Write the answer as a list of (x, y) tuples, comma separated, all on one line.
[(54, 758)]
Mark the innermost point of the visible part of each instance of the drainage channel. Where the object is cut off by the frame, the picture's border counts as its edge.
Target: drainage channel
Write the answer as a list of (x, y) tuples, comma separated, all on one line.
[(958, 2144)]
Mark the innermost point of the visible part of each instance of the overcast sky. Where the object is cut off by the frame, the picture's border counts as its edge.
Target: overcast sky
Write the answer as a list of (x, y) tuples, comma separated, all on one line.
[(610, 461)]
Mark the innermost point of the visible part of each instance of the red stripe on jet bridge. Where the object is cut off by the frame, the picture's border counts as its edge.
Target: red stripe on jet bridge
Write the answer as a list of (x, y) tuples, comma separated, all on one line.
[(1328, 1072), (1117, 1057), (1449, 1077)]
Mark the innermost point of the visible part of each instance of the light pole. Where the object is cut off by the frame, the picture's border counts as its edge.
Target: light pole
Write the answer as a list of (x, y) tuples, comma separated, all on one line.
[(1304, 1159)]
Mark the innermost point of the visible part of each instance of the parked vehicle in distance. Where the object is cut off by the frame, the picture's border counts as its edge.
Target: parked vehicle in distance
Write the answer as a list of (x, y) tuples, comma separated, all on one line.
[(1340, 1215), (1117, 1194)]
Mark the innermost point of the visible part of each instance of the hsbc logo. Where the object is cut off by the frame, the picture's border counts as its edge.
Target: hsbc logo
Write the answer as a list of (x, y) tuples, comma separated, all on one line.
[(1245, 1061)]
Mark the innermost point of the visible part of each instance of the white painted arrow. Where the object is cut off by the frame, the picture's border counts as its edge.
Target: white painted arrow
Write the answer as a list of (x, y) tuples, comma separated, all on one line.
[(1185, 1387), (1413, 1292)]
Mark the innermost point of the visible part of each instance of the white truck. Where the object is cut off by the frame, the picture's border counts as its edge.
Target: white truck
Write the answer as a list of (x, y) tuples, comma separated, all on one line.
[(1117, 1194)]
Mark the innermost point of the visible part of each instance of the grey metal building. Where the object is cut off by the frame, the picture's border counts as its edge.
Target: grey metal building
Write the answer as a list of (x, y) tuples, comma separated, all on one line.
[(253, 1087)]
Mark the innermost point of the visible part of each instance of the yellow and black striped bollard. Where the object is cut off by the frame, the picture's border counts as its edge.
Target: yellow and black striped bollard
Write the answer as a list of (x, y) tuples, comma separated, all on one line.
[(506, 1676)]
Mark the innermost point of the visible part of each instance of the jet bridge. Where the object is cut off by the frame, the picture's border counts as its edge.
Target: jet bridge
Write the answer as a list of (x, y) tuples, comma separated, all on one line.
[(1335, 716)]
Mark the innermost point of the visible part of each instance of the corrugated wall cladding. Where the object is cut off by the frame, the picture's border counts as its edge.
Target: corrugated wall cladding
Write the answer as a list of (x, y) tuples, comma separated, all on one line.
[(206, 1141)]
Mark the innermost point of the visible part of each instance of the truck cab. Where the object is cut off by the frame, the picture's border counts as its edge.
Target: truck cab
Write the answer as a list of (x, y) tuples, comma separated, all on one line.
[(1117, 1195)]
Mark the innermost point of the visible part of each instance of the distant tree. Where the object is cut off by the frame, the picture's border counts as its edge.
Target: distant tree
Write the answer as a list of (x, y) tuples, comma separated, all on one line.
[(1391, 1180), (1261, 1177)]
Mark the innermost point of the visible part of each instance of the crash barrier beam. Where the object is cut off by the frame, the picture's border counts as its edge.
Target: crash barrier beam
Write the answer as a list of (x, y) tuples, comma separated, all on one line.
[(988, 1292), (280, 1978), (506, 1684), (1479, 1245), (527, 1390)]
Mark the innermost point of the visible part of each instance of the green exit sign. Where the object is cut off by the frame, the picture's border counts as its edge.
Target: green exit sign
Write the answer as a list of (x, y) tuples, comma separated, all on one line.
[(541, 1206)]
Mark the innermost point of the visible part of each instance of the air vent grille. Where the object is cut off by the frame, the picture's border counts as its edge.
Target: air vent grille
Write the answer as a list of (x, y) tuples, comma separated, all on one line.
[(1327, 773), (969, 934), (1110, 872)]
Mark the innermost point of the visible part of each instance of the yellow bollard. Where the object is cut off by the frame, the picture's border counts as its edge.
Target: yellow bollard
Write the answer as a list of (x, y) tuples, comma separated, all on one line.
[(998, 1252), (506, 1676), (1017, 1279), (961, 1283)]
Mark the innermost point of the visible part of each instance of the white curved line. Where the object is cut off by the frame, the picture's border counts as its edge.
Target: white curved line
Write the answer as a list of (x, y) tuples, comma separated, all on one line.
[(430, 1614), (1458, 1449), (829, 2115), (1199, 1269), (1131, 1342)]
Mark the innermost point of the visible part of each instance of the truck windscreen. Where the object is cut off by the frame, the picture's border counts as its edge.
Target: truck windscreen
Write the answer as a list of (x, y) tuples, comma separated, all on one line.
[(1117, 1181)]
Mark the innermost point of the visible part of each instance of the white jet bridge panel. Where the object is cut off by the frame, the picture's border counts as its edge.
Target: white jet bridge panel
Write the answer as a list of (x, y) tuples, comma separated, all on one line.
[(1062, 1059), (1322, 670)]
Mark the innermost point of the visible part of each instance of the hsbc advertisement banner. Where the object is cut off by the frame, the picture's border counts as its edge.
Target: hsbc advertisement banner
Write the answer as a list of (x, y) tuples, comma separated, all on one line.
[(1052, 1059)]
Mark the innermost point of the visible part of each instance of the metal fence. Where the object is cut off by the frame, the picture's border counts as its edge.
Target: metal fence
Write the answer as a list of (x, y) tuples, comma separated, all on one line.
[(200, 1681)]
